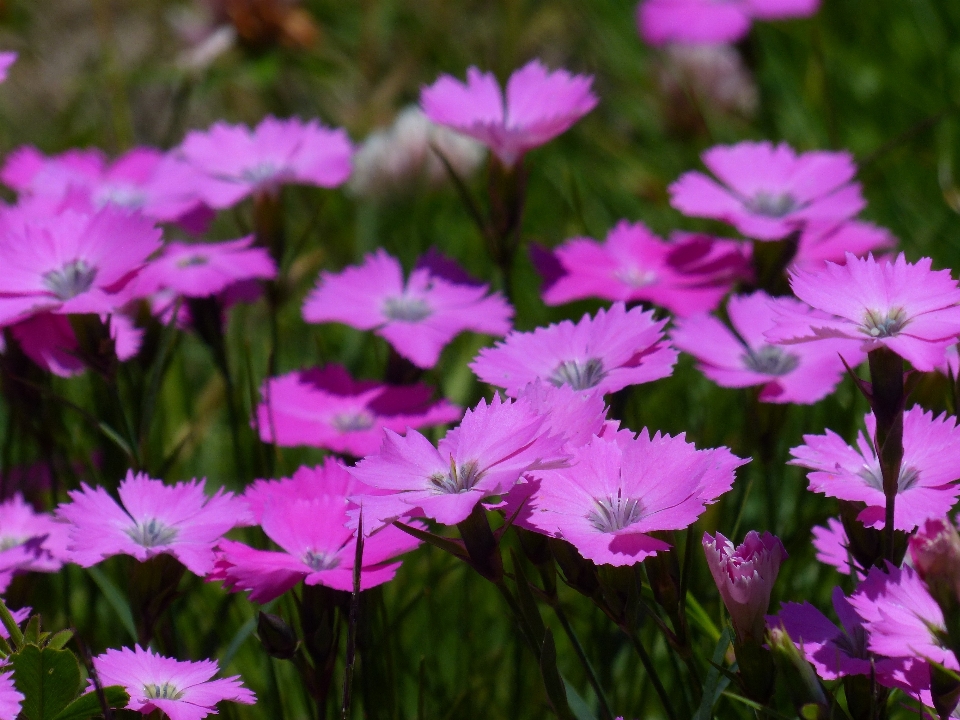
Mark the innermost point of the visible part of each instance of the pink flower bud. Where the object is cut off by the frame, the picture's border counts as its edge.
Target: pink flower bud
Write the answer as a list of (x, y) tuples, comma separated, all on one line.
[(745, 577), (935, 550)]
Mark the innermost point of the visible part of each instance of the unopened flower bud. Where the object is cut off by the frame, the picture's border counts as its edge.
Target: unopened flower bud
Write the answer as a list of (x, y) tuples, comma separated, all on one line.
[(935, 550), (806, 690), (277, 638)]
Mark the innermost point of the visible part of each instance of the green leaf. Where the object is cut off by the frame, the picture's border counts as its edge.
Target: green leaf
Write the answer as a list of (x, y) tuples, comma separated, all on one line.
[(716, 682), (49, 680), (528, 603), (578, 705), (59, 640), (31, 634), (445, 544), (552, 682), (88, 705), (116, 599)]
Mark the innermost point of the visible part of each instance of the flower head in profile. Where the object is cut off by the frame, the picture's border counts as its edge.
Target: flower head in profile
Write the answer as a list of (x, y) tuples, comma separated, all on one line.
[(239, 162), (181, 690), (710, 22), (483, 457), (10, 697), (70, 263), (613, 495), (768, 192), (538, 106), (325, 407), (743, 357), (30, 541), (926, 487), (745, 576), (613, 349), (906, 307), (691, 273), (830, 242), (417, 316), (180, 520)]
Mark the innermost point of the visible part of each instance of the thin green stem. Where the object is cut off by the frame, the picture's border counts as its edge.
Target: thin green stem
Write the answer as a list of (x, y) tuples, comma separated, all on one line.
[(651, 673), (594, 681)]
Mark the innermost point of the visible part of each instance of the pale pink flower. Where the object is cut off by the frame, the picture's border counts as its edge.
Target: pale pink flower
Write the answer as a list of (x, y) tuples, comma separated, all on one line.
[(926, 487), (181, 690), (712, 21), (831, 544), (417, 316), (7, 59), (909, 308), (180, 520), (10, 697), (745, 576), (689, 274), (325, 407), (239, 162), (769, 192), (823, 243), (538, 106), (614, 494), (743, 357), (614, 349)]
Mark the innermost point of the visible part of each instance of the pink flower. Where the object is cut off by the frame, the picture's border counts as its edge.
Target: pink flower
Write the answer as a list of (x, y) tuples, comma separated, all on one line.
[(926, 488), (745, 576), (10, 698), (204, 269), (181, 690), (239, 162), (484, 456), (325, 407), (7, 59), (742, 357), (909, 308), (614, 494), (418, 317), (29, 541), (831, 544), (712, 21), (155, 518), (71, 263), (768, 191), (614, 349), (539, 105), (834, 651), (691, 273), (820, 244), (900, 616)]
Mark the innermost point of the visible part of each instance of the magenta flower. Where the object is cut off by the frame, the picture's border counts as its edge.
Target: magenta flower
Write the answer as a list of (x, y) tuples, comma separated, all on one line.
[(712, 22), (614, 494), (418, 317), (181, 690), (745, 576), (539, 105), (831, 544), (155, 518), (900, 617), (614, 349), (29, 541), (909, 308), (742, 357), (71, 263), (769, 192), (325, 407), (926, 487), (7, 59), (691, 273), (239, 162), (820, 244), (484, 456), (10, 698)]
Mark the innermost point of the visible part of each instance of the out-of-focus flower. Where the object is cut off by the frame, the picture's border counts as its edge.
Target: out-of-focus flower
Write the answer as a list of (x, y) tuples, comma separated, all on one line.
[(7, 59), (181, 690), (325, 407), (614, 494), (908, 308), (768, 192), (238, 162), (10, 697), (743, 357), (71, 263), (926, 487), (615, 348), (418, 317), (538, 106), (691, 273), (820, 244), (29, 541), (402, 157), (708, 21), (745, 576), (831, 544), (484, 456), (179, 520)]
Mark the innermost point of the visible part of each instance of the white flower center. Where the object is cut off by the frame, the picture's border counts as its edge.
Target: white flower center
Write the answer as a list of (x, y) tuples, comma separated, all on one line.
[(880, 325), (320, 561), (260, 173), (770, 360), (636, 277), (166, 691), (406, 309), (909, 477), (352, 421), (151, 533), (614, 513), (578, 374), (457, 480), (192, 261), (772, 205), (71, 280)]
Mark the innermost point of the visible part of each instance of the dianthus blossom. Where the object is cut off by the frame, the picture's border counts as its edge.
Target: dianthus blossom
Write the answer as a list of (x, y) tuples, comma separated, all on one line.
[(10, 697), (538, 105), (29, 541), (906, 307), (743, 357), (7, 59), (324, 407), (926, 487), (181, 690), (831, 543), (417, 316), (830, 242), (613, 349), (768, 192)]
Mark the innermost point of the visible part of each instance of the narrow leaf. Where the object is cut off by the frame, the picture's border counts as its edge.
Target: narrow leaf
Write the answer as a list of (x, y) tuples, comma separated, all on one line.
[(116, 599), (552, 682), (88, 705), (716, 682)]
